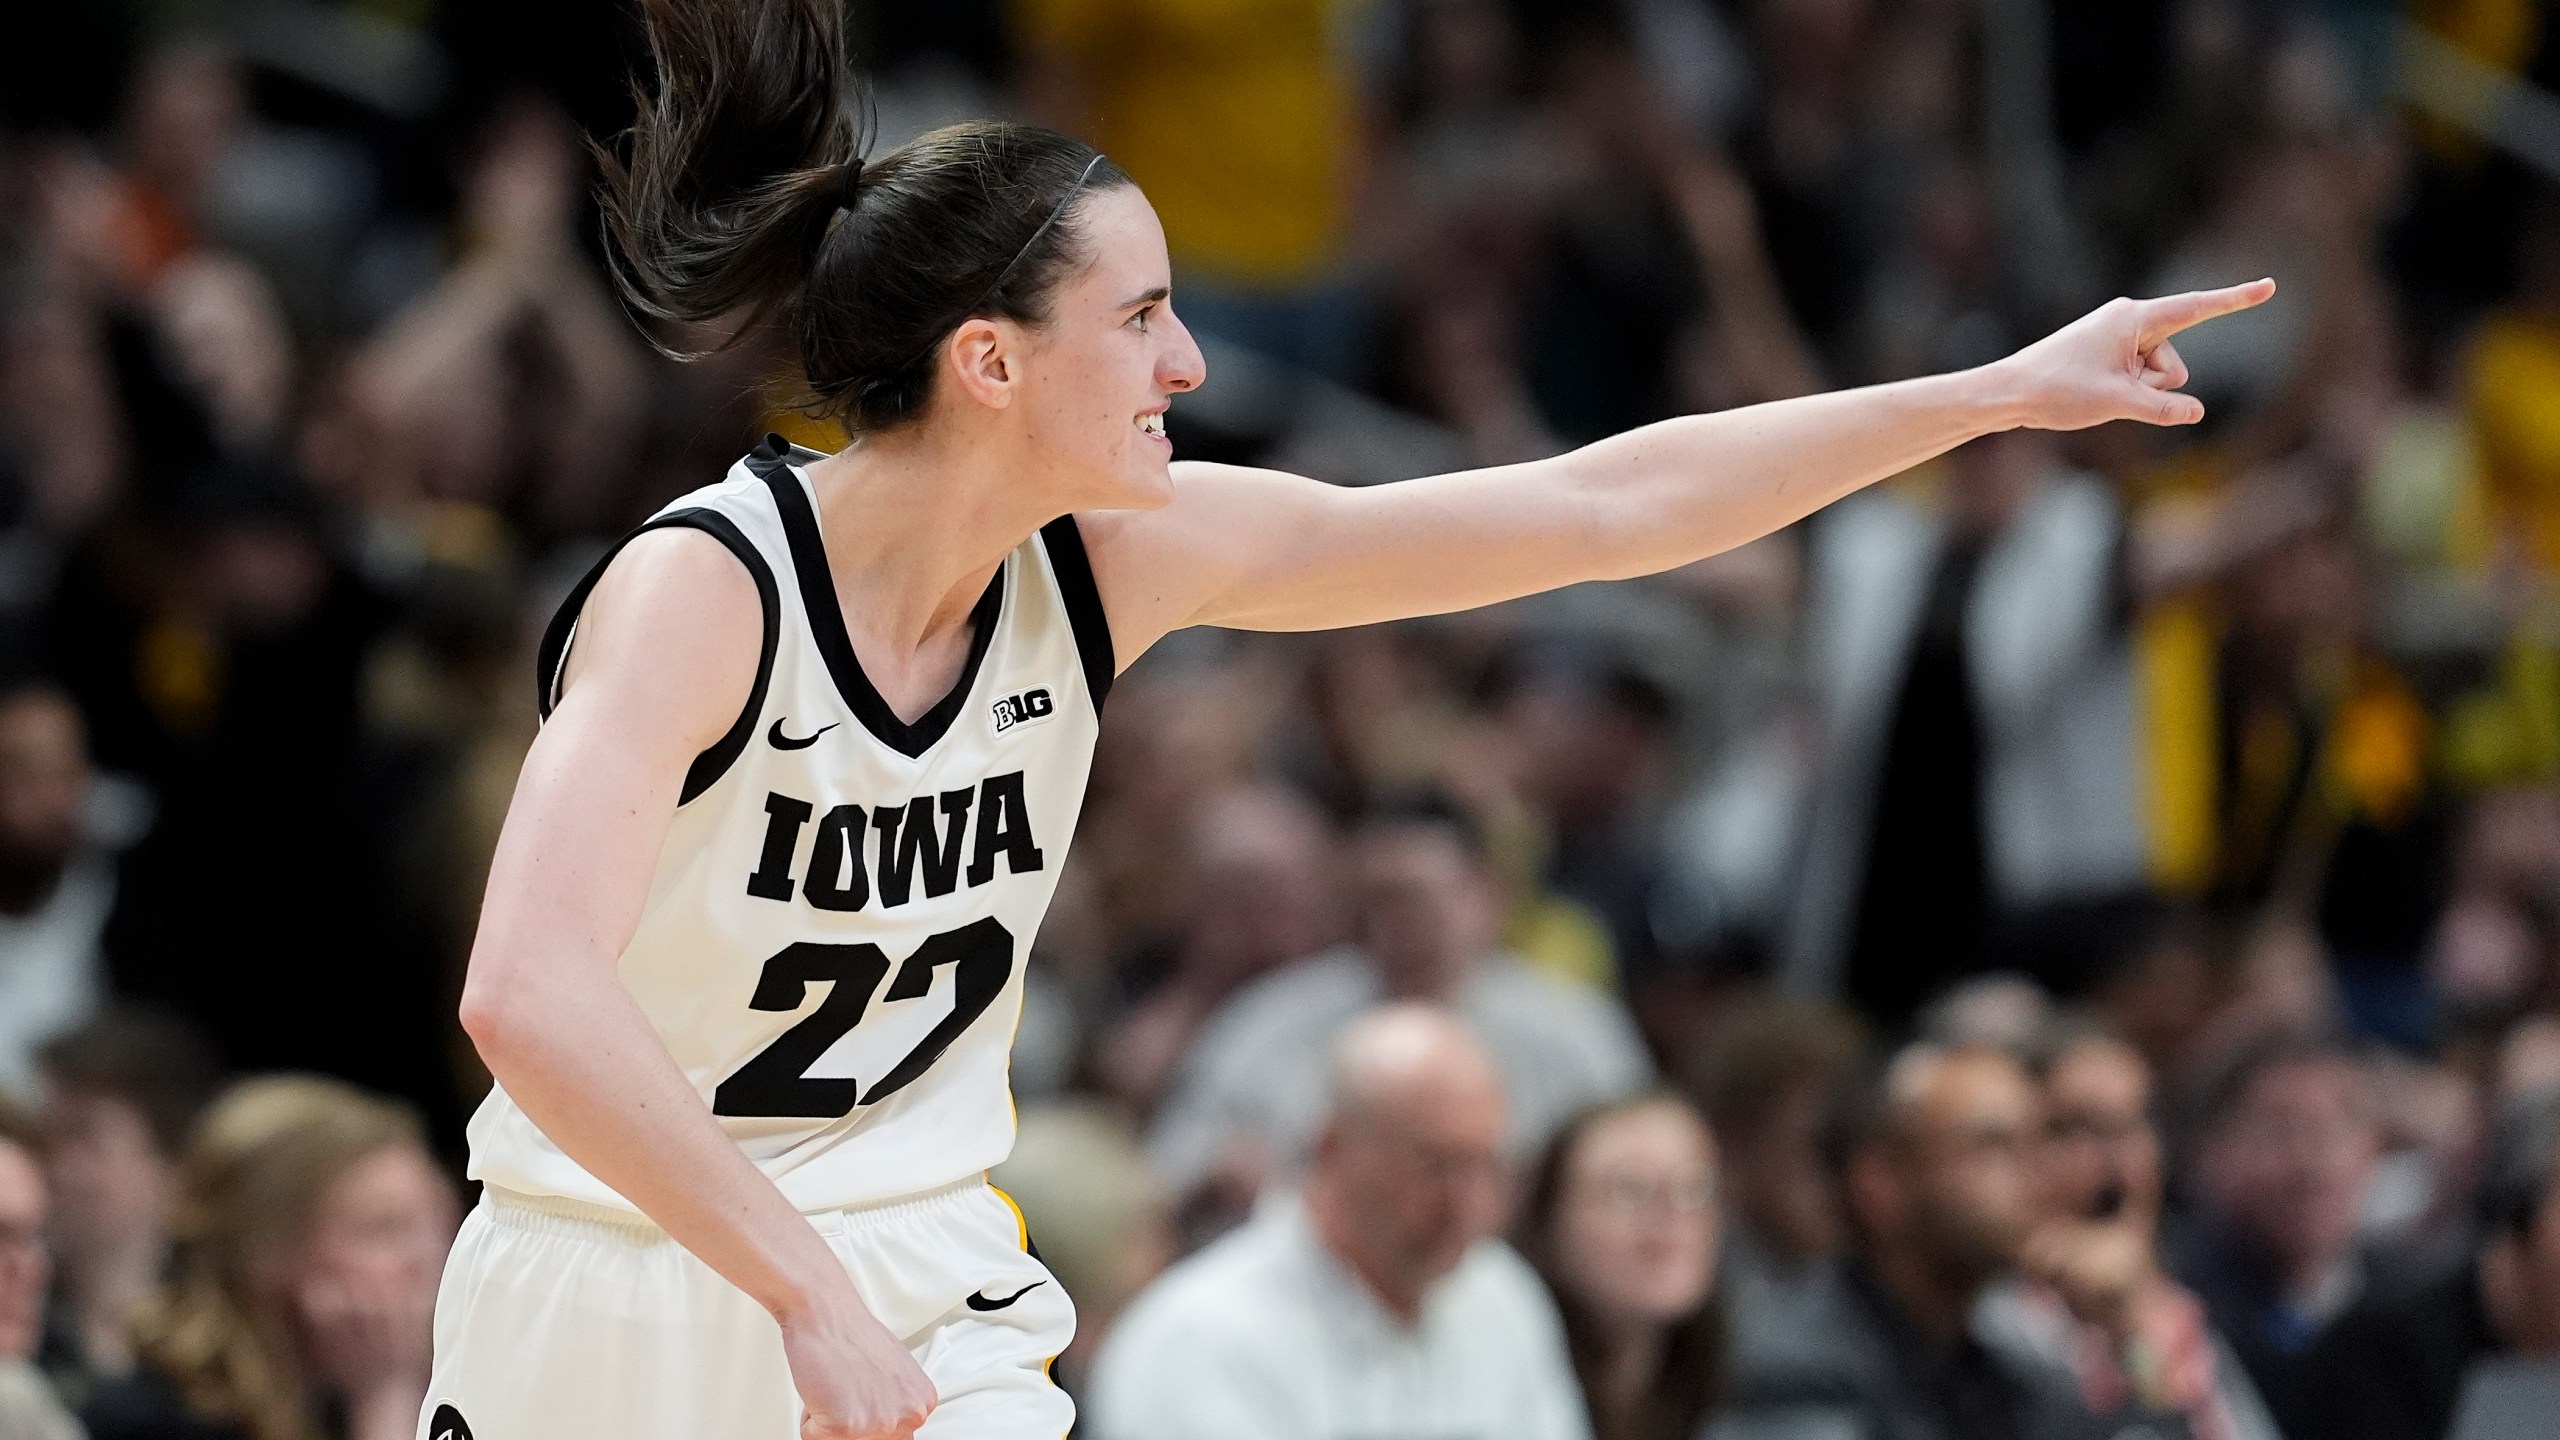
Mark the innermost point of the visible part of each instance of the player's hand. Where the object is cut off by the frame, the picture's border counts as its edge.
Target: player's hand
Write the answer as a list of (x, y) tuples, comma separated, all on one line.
[(856, 1381), (2116, 362)]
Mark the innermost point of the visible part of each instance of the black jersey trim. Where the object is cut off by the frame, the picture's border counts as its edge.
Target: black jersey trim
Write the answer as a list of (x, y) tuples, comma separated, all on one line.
[(1084, 605), (772, 462), (552, 658)]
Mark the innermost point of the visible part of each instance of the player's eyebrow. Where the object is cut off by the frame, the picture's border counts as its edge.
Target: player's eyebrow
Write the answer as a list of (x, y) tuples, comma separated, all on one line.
[(1148, 297)]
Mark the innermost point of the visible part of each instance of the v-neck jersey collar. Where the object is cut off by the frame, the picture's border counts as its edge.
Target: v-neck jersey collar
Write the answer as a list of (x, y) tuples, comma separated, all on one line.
[(793, 500)]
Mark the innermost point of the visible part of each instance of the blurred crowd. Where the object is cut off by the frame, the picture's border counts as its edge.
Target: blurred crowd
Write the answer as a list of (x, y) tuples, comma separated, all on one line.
[(2065, 943)]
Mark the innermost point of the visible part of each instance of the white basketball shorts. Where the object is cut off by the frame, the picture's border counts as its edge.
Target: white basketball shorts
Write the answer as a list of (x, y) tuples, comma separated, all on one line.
[(559, 1320)]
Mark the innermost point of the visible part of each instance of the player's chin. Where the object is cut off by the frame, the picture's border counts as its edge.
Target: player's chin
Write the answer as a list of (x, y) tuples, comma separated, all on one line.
[(1145, 482)]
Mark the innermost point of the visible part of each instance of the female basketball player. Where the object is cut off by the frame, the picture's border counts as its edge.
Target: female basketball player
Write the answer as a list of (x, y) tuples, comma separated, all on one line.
[(750, 961)]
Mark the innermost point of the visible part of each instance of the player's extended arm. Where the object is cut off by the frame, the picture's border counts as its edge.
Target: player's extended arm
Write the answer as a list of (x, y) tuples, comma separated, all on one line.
[(1259, 550), (659, 671)]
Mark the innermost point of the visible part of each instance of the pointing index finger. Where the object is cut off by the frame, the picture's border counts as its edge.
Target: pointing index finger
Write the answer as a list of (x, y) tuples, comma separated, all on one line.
[(2170, 314)]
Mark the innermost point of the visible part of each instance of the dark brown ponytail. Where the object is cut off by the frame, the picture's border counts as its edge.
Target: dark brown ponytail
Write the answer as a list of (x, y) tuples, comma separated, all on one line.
[(745, 194)]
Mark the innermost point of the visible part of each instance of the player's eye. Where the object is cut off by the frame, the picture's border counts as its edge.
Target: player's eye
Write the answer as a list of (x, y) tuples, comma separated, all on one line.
[(1139, 320)]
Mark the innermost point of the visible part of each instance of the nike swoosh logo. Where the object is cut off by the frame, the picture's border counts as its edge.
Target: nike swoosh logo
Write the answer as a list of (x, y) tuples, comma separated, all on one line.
[(784, 742), (982, 1304)]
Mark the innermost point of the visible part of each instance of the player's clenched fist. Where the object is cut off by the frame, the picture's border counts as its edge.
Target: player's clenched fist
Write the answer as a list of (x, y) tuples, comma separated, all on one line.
[(856, 1381)]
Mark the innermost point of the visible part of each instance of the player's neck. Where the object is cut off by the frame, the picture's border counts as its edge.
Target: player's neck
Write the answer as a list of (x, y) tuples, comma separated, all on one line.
[(915, 523)]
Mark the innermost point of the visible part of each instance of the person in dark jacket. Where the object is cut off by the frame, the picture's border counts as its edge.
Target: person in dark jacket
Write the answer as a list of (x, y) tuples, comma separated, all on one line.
[(2290, 1144), (1937, 1163), (2393, 1367)]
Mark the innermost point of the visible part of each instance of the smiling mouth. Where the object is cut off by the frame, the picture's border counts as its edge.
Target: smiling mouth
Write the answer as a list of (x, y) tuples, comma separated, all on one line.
[(1153, 423)]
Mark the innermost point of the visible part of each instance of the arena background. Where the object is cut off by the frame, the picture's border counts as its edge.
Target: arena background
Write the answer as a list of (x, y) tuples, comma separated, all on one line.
[(2238, 742)]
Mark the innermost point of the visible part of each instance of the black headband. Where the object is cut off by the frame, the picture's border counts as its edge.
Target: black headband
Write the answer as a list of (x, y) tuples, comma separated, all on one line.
[(1009, 266), (1060, 209)]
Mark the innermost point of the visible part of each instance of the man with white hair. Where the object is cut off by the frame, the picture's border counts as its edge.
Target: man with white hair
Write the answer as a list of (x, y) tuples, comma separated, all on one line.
[(1377, 1302)]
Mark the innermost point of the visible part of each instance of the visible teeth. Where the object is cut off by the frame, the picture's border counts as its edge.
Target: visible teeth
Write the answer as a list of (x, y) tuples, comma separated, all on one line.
[(1153, 424)]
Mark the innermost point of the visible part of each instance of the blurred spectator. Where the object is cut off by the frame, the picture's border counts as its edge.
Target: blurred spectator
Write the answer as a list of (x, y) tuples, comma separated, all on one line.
[(1768, 1079), (1096, 1211), (2493, 951), (516, 384), (2510, 369), (1591, 748), (56, 885), (1261, 891), (28, 1407), (184, 114), (2001, 1011), (1379, 1303), (1244, 126), (312, 1228), (1620, 1221), (121, 1096), (2393, 1367), (1980, 784), (310, 393), (1936, 1158), (1249, 1100), (2092, 1298), (2288, 755), (1660, 293), (220, 653), (2285, 1162)]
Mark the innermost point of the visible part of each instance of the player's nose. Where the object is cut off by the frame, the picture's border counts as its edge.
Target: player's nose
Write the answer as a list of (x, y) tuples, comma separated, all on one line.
[(1181, 367)]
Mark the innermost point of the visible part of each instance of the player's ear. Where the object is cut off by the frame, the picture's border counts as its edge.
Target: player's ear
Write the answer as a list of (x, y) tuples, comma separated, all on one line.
[(980, 361)]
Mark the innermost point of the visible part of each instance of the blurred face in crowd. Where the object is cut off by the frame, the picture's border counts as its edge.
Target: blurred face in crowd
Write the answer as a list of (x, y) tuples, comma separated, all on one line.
[(1633, 1237), (186, 108), (1953, 1185), (2105, 1156), (259, 575), (1263, 886), (112, 1185), (1427, 910), (388, 1221), (1586, 756), (1774, 1174), (1409, 1172), (375, 1247), (1811, 35), (44, 775), (1996, 477), (24, 1269), (2291, 1160), (2520, 1280), (2307, 586), (1464, 52)]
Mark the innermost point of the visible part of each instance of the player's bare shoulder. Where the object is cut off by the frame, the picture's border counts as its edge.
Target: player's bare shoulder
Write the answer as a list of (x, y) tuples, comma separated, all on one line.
[(669, 638)]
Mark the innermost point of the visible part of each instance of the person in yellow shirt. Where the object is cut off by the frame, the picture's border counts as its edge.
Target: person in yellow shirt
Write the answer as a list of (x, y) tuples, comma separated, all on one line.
[(1241, 119), (2512, 394)]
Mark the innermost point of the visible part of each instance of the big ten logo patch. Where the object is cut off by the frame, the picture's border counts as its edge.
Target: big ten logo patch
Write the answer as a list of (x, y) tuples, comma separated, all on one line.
[(1023, 709)]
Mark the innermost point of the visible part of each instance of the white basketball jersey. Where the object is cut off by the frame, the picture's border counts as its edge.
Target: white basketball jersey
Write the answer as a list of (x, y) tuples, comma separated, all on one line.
[(833, 944)]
